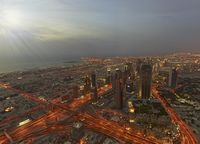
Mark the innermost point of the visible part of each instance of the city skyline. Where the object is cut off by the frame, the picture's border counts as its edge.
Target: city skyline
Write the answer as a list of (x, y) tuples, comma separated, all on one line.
[(114, 100), (100, 71)]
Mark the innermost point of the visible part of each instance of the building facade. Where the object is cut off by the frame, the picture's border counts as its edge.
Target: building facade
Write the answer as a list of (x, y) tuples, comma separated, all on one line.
[(145, 80)]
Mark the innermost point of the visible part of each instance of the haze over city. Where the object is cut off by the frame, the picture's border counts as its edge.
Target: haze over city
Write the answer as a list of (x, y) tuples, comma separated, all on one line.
[(36, 29)]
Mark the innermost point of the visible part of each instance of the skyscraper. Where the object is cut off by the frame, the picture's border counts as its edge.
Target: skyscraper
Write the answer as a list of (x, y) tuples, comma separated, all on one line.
[(173, 77), (125, 74), (108, 76), (93, 78), (118, 89), (94, 85), (87, 84), (77, 130), (138, 65), (129, 86), (113, 81), (145, 81), (118, 73), (130, 68), (126, 68)]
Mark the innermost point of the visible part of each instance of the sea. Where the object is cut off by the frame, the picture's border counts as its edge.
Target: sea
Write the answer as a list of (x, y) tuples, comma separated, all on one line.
[(25, 66)]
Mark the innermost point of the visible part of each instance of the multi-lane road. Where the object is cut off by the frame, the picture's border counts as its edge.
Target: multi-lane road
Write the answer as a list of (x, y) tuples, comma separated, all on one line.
[(114, 130), (34, 127), (94, 122), (63, 111), (187, 135)]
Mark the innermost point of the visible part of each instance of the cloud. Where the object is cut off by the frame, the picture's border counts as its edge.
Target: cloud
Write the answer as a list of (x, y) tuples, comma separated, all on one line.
[(139, 26), (56, 32)]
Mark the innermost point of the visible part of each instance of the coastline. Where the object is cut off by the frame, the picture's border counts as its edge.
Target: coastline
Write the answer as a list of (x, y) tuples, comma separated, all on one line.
[(20, 67)]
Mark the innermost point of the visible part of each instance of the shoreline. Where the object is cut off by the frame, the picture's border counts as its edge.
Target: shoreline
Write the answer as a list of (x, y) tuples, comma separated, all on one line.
[(22, 67)]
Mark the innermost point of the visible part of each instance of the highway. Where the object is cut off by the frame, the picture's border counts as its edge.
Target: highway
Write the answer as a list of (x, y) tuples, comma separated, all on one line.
[(20, 133), (114, 130), (187, 135), (18, 116), (114, 112), (65, 111), (40, 124)]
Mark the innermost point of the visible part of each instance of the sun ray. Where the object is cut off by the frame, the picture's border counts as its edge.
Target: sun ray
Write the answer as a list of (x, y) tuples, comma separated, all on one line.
[(11, 18)]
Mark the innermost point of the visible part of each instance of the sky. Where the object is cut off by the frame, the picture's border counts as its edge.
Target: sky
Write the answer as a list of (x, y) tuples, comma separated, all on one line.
[(54, 29)]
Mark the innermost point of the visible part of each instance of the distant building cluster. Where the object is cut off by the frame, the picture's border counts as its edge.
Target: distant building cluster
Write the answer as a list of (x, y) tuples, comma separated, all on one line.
[(101, 92)]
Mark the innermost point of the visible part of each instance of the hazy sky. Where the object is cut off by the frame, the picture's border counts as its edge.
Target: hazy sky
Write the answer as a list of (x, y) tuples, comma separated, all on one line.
[(40, 29)]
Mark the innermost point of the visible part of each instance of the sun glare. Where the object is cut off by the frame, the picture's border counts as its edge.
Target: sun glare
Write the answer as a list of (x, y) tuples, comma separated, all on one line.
[(12, 18)]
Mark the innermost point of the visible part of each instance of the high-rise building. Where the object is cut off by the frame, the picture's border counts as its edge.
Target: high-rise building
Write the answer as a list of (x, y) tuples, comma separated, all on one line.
[(118, 89), (93, 78), (124, 78), (119, 94), (125, 74), (94, 85), (77, 131), (108, 76), (113, 82), (126, 68), (118, 73), (138, 65), (129, 86), (173, 77), (145, 81), (130, 68), (87, 84)]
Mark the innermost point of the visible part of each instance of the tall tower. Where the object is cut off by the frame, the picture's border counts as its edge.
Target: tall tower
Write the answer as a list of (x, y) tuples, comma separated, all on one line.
[(127, 72), (173, 77), (87, 84), (93, 78), (130, 68), (94, 85), (138, 65), (108, 76), (129, 86), (118, 89), (145, 81), (77, 131)]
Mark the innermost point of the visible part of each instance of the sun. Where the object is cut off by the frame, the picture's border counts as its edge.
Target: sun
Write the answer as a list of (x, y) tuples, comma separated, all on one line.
[(12, 18)]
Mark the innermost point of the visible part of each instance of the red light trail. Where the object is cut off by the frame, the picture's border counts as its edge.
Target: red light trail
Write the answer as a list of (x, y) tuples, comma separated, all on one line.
[(187, 135), (94, 122)]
